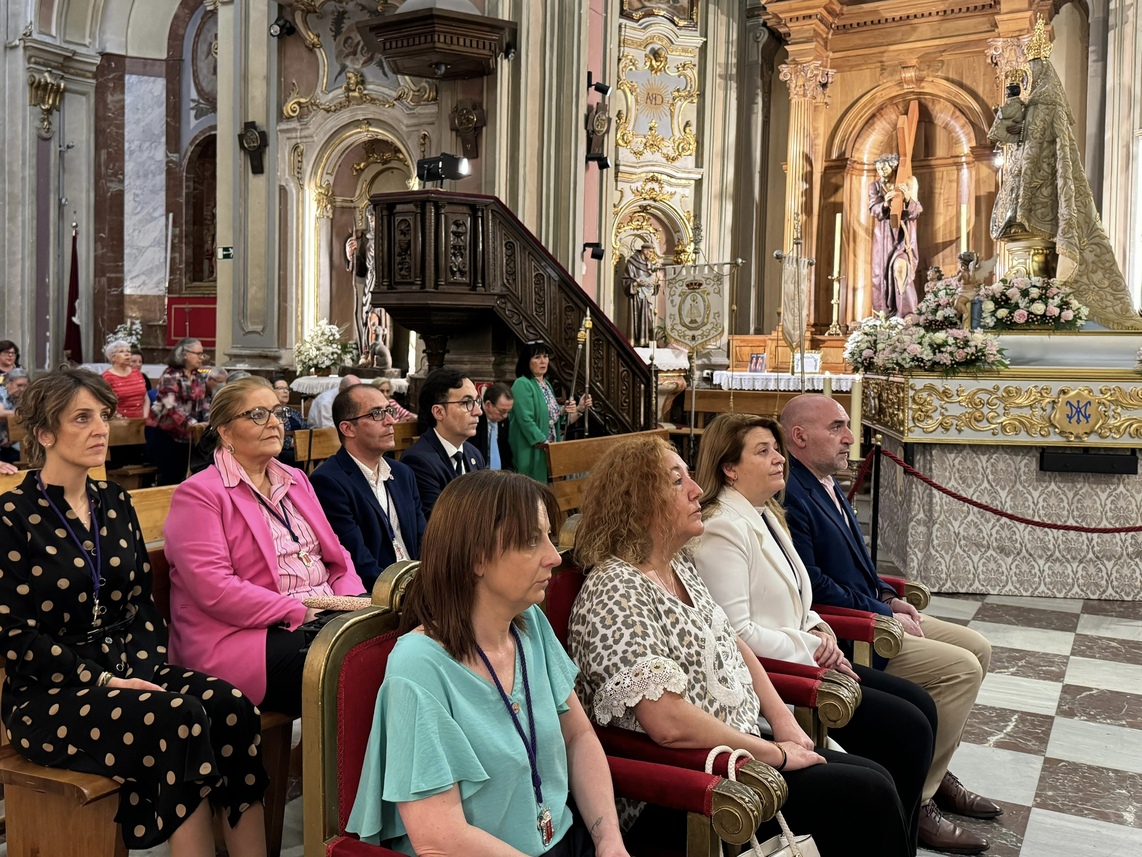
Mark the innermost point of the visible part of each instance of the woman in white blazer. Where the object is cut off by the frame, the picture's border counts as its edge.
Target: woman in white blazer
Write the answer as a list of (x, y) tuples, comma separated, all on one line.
[(749, 563)]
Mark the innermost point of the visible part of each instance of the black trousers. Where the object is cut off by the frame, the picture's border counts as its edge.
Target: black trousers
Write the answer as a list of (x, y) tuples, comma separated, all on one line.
[(168, 455), (285, 663), (895, 726), (850, 806)]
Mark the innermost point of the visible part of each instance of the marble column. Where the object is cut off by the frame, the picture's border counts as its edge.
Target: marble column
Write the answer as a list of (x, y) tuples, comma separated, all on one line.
[(807, 82), (248, 286)]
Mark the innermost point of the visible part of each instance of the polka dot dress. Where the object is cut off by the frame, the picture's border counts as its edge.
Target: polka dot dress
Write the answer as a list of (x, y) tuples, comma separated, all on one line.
[(199, 738)]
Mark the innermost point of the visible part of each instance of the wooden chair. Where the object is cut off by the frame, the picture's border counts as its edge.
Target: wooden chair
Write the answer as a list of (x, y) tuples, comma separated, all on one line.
[(343, 673), (152, 506), (569, 462), (323, 444)]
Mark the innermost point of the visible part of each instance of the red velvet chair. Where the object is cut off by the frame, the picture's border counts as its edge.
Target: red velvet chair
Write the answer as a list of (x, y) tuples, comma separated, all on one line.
[(874, 632), (822, 699), (343, 672)]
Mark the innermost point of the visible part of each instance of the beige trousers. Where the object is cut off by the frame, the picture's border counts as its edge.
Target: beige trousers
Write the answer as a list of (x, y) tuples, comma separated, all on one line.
[(949, 662)]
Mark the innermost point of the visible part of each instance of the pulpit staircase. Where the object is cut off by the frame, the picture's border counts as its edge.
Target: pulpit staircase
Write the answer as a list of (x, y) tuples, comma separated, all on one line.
[(448, 263)]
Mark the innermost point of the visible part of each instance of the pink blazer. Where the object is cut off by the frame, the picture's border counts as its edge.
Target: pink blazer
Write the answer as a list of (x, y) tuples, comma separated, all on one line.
[(224, 577)]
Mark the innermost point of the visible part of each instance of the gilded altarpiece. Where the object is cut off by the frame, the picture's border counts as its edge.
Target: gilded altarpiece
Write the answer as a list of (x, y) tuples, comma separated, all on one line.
[(980, 437), (656, 142)]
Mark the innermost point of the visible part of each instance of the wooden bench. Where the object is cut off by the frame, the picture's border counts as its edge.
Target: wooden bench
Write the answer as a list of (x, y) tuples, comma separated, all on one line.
[(404, 436), (12, 480), (313, 446)]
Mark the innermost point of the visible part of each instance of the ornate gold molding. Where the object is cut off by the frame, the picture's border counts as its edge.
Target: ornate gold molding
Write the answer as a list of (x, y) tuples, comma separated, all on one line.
[(652, 188), (46, 93), (655, 94), (354, 92), (373, 155), (323, 199)]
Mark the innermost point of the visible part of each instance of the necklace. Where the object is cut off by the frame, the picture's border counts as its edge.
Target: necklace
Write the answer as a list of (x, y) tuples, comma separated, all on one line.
[(94, 556), (670, 590), (543, 820)]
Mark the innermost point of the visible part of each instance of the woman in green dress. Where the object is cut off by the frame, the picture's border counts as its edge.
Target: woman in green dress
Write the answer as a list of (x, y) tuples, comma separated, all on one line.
[(479, 744), (537, 418)]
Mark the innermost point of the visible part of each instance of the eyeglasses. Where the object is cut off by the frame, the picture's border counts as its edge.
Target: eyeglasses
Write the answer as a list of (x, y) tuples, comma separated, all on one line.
[(261, 416), (195, 353), (376, 415), (467, 403)]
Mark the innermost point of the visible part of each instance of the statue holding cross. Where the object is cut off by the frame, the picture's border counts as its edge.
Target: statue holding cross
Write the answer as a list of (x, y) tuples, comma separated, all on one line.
[(895, 208)]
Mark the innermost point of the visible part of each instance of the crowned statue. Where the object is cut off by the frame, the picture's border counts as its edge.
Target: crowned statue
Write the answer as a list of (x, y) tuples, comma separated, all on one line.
[(1044, 197)]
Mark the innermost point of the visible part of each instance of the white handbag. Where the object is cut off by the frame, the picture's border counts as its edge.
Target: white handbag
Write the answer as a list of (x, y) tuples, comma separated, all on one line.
[(783, 845)]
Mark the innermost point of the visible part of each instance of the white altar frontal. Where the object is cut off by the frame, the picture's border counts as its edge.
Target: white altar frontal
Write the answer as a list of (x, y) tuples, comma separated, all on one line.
[(1068, 401)]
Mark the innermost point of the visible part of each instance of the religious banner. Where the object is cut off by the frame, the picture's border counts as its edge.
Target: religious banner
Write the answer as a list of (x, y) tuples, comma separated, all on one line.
[(794, 299), (695, 304)]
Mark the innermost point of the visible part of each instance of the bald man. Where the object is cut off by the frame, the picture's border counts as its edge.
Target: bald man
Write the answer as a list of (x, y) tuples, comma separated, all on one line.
[(947, 660), (321, 408)]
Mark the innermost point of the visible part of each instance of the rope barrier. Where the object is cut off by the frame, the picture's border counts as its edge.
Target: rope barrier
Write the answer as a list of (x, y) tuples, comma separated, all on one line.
[(1019, 519)]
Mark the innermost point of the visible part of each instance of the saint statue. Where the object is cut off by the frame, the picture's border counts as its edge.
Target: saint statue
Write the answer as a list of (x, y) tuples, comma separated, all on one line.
[(1044, 193), (894, 253), (641, 282)]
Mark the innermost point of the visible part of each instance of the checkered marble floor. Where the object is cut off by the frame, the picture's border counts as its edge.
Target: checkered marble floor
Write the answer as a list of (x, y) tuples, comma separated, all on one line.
[(1056, 733), (1055, 736)]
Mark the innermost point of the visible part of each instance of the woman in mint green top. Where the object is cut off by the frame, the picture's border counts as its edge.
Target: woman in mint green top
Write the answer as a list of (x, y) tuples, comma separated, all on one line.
[(478, 740), (537, 418)]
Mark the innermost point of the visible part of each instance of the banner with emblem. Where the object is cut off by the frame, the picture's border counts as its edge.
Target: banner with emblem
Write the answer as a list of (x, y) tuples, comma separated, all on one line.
[(695, 304), (794, 300)]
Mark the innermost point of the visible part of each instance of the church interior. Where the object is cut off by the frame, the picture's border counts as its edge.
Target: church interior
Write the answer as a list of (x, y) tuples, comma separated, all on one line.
[(696, 205)]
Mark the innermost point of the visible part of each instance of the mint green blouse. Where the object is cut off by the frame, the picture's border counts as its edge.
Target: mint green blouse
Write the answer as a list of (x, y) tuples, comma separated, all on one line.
[(438, 723)]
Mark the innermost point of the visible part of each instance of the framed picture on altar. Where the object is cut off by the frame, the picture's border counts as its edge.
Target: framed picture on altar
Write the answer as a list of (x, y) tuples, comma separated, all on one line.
[(757, 362), (811, 360)]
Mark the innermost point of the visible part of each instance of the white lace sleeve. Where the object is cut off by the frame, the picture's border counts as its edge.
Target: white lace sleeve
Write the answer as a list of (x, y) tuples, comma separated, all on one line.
[(648, 678)]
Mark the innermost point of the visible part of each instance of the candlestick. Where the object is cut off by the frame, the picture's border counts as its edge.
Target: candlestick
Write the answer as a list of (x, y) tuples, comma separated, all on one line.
[(855, 417), (827, 385), (837, 248), (963, 227)]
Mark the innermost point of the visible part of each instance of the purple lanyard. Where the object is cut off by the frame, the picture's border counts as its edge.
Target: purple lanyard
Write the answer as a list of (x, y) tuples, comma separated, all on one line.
[(96, 580), (532, 747)]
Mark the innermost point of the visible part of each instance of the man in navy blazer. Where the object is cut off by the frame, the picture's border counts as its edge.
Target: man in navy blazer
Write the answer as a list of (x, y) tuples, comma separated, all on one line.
[(372, 503), (491, 436), (947, 660), (449, 413)]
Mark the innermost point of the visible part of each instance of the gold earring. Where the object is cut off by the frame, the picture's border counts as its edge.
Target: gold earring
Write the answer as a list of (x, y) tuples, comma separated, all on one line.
[(230, 448)]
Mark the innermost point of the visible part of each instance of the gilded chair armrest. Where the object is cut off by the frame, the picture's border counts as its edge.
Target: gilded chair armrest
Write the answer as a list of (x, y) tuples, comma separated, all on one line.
[(838, 698), (628, 744), (883, 633), (915, 593), (734, 809), (390, 587)]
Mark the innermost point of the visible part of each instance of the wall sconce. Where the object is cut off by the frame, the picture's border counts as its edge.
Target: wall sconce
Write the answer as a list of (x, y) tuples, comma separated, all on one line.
[(441, 167), (603, 161), (604, 89), (598, 251)]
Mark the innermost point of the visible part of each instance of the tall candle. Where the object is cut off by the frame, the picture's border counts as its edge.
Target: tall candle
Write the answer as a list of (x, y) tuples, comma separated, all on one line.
[(837, 248), (854, 418), (827, 385), (963, 227)]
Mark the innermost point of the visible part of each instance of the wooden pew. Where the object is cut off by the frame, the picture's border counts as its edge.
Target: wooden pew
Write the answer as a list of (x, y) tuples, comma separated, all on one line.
[(323, 444), (152, 506), (404, 435)]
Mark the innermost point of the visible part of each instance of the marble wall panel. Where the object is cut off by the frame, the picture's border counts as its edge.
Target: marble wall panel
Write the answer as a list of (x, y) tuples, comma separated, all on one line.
[(144, 185)]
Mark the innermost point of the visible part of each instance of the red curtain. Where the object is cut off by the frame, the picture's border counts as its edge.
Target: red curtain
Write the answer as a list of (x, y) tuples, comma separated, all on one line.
[(72, 344)]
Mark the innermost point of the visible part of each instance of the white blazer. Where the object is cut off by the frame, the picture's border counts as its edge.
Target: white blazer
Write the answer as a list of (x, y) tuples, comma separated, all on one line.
[(767, 602)]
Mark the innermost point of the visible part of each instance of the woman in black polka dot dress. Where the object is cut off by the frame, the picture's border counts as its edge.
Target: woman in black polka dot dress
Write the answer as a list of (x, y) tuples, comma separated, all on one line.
[(88, 687)]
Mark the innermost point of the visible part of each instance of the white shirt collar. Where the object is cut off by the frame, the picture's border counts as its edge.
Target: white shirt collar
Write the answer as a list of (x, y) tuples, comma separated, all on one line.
[(448, 448), (374, 477)]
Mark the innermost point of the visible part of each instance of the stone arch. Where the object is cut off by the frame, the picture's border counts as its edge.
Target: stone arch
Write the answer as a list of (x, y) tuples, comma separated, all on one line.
[(199, 187), (663, 225)]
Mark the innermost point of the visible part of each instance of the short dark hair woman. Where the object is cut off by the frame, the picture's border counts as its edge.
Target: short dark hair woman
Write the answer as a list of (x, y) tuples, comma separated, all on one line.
[(537, 418), (88, 687), (479, 742)]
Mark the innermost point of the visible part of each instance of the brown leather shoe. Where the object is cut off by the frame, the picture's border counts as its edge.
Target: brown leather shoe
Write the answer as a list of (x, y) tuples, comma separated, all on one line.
[(951, 796), (939, 834)]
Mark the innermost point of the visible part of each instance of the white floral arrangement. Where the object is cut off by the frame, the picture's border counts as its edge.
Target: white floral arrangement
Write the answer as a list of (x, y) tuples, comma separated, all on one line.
[(130, 331), (322, 347), (937, 311), (1031, 302), (887, 346)]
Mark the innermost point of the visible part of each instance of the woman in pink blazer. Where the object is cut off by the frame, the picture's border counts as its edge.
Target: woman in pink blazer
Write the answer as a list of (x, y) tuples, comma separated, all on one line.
[(248, 546)]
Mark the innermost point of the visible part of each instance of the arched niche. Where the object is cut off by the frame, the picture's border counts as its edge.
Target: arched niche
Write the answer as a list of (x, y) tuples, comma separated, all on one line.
[(660, 224), (952, 161), (200, 183)]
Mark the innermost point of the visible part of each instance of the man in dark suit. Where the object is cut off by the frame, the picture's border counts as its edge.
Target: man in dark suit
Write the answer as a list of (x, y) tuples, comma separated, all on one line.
[(449, 412), (492, 430), (371, 502), (947, 660)]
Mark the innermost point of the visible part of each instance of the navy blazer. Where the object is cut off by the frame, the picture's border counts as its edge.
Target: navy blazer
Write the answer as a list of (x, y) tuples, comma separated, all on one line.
[(434, 469), (839, 565), (356, 515), (481, 442)]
